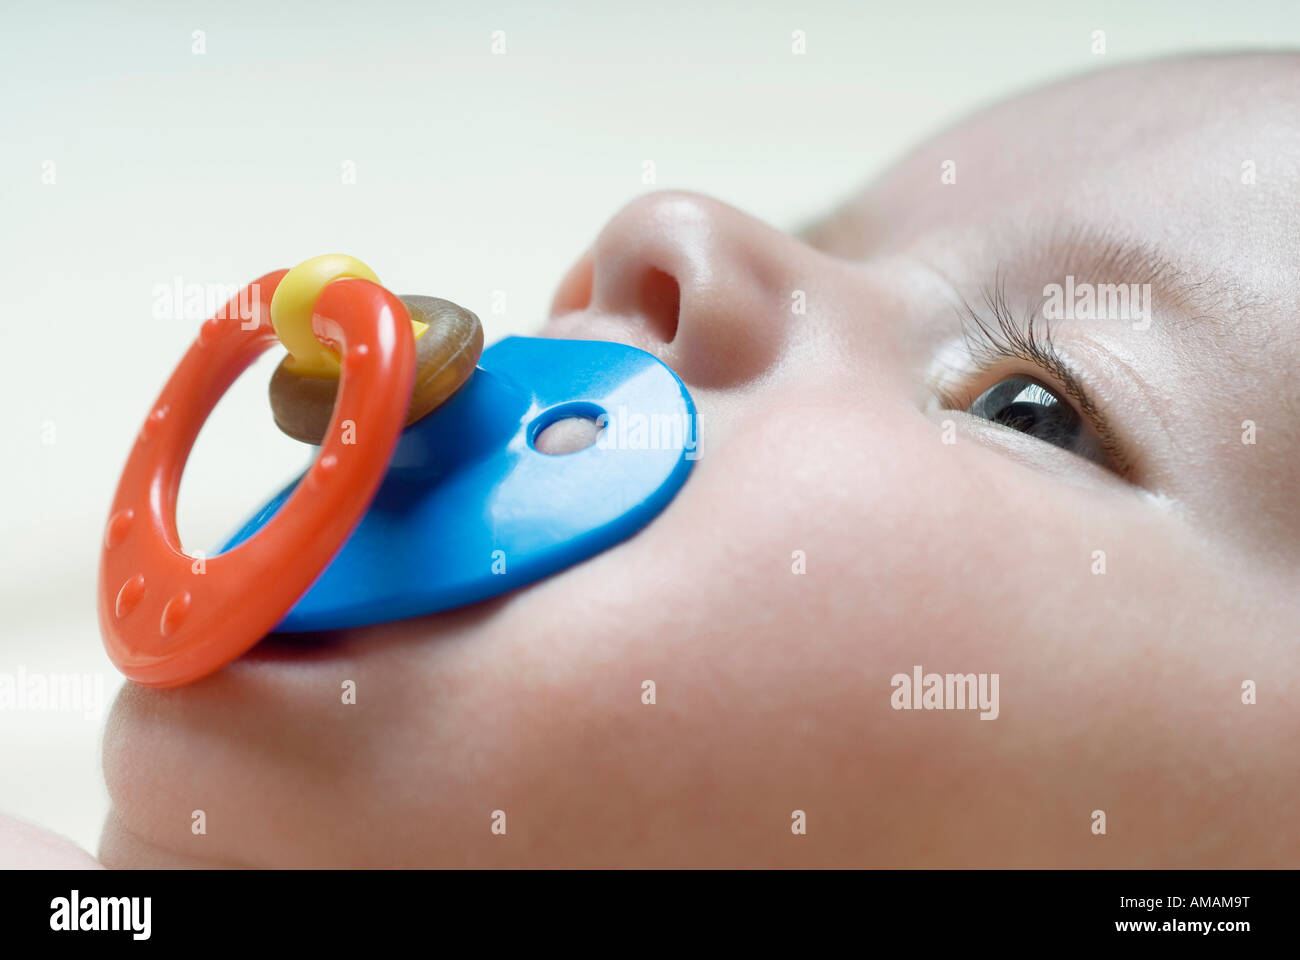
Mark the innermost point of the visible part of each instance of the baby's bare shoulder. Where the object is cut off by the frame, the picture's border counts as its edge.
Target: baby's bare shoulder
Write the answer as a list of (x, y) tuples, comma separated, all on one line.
[(25, 846)]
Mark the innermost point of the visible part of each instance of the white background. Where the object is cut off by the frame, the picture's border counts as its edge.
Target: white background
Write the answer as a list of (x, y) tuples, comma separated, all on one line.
[(474, 173)]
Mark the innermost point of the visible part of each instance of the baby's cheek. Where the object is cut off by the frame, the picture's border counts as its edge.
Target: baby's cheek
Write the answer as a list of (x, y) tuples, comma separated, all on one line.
[(1112, 632), (660, 701), (638, 706)]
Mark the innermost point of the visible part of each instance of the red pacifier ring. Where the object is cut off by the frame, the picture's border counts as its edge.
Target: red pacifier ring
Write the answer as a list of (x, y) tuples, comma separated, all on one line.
[(168, 618)]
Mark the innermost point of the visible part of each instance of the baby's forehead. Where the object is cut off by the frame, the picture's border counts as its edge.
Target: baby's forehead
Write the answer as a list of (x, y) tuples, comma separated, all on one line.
[(1182, 173), (1196, 157)]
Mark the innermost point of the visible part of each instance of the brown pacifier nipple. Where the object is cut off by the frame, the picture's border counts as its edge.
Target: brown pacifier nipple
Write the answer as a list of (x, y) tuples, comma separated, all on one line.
[(445, 356)]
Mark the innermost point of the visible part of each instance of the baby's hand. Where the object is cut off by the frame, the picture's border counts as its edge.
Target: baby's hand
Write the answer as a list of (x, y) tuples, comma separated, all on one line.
[(24, 846)]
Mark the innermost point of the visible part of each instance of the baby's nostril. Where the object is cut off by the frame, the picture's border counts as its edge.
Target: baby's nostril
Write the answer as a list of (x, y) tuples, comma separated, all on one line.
[(661, 299)]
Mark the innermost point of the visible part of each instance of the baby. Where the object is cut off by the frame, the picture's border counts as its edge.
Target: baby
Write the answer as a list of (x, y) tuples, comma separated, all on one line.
[(991, 556)]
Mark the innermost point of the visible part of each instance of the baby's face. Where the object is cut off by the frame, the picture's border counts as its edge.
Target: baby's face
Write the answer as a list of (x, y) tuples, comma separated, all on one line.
[(1105, 518)]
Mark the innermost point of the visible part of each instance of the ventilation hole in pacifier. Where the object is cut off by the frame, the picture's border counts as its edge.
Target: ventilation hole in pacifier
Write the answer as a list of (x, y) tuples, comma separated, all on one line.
[(567, 429)]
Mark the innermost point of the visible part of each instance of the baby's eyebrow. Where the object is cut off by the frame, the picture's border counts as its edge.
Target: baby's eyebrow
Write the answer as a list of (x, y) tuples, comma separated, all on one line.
[(1106, 255)]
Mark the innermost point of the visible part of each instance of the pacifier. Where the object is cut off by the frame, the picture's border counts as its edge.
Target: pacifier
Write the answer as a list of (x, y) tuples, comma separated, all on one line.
[(427, 491)]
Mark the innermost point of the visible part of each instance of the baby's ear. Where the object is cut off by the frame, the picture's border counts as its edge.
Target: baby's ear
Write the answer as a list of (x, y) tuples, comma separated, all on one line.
[(24, 846)]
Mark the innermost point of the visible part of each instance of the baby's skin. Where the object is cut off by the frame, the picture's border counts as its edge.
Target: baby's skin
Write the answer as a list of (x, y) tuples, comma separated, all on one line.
[(1116, 537)]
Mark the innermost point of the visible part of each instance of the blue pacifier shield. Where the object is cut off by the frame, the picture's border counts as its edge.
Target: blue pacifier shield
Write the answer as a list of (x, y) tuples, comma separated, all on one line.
[(470, 509)]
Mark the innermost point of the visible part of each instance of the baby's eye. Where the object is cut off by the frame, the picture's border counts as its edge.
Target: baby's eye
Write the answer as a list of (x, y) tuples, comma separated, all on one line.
[(1024, 404)]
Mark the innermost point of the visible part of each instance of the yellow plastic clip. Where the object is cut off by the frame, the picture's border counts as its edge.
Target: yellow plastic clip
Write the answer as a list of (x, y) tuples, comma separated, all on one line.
[(292, 305)]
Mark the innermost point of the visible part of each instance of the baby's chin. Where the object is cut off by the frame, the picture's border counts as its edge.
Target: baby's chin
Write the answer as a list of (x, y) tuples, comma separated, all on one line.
[(122, 849), (255, 764)]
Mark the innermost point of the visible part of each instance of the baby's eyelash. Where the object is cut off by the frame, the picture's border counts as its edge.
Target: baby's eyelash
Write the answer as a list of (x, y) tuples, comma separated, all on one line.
[(994, 335)]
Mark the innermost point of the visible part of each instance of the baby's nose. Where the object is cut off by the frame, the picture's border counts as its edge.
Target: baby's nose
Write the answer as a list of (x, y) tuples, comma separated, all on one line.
[(706, 288)]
